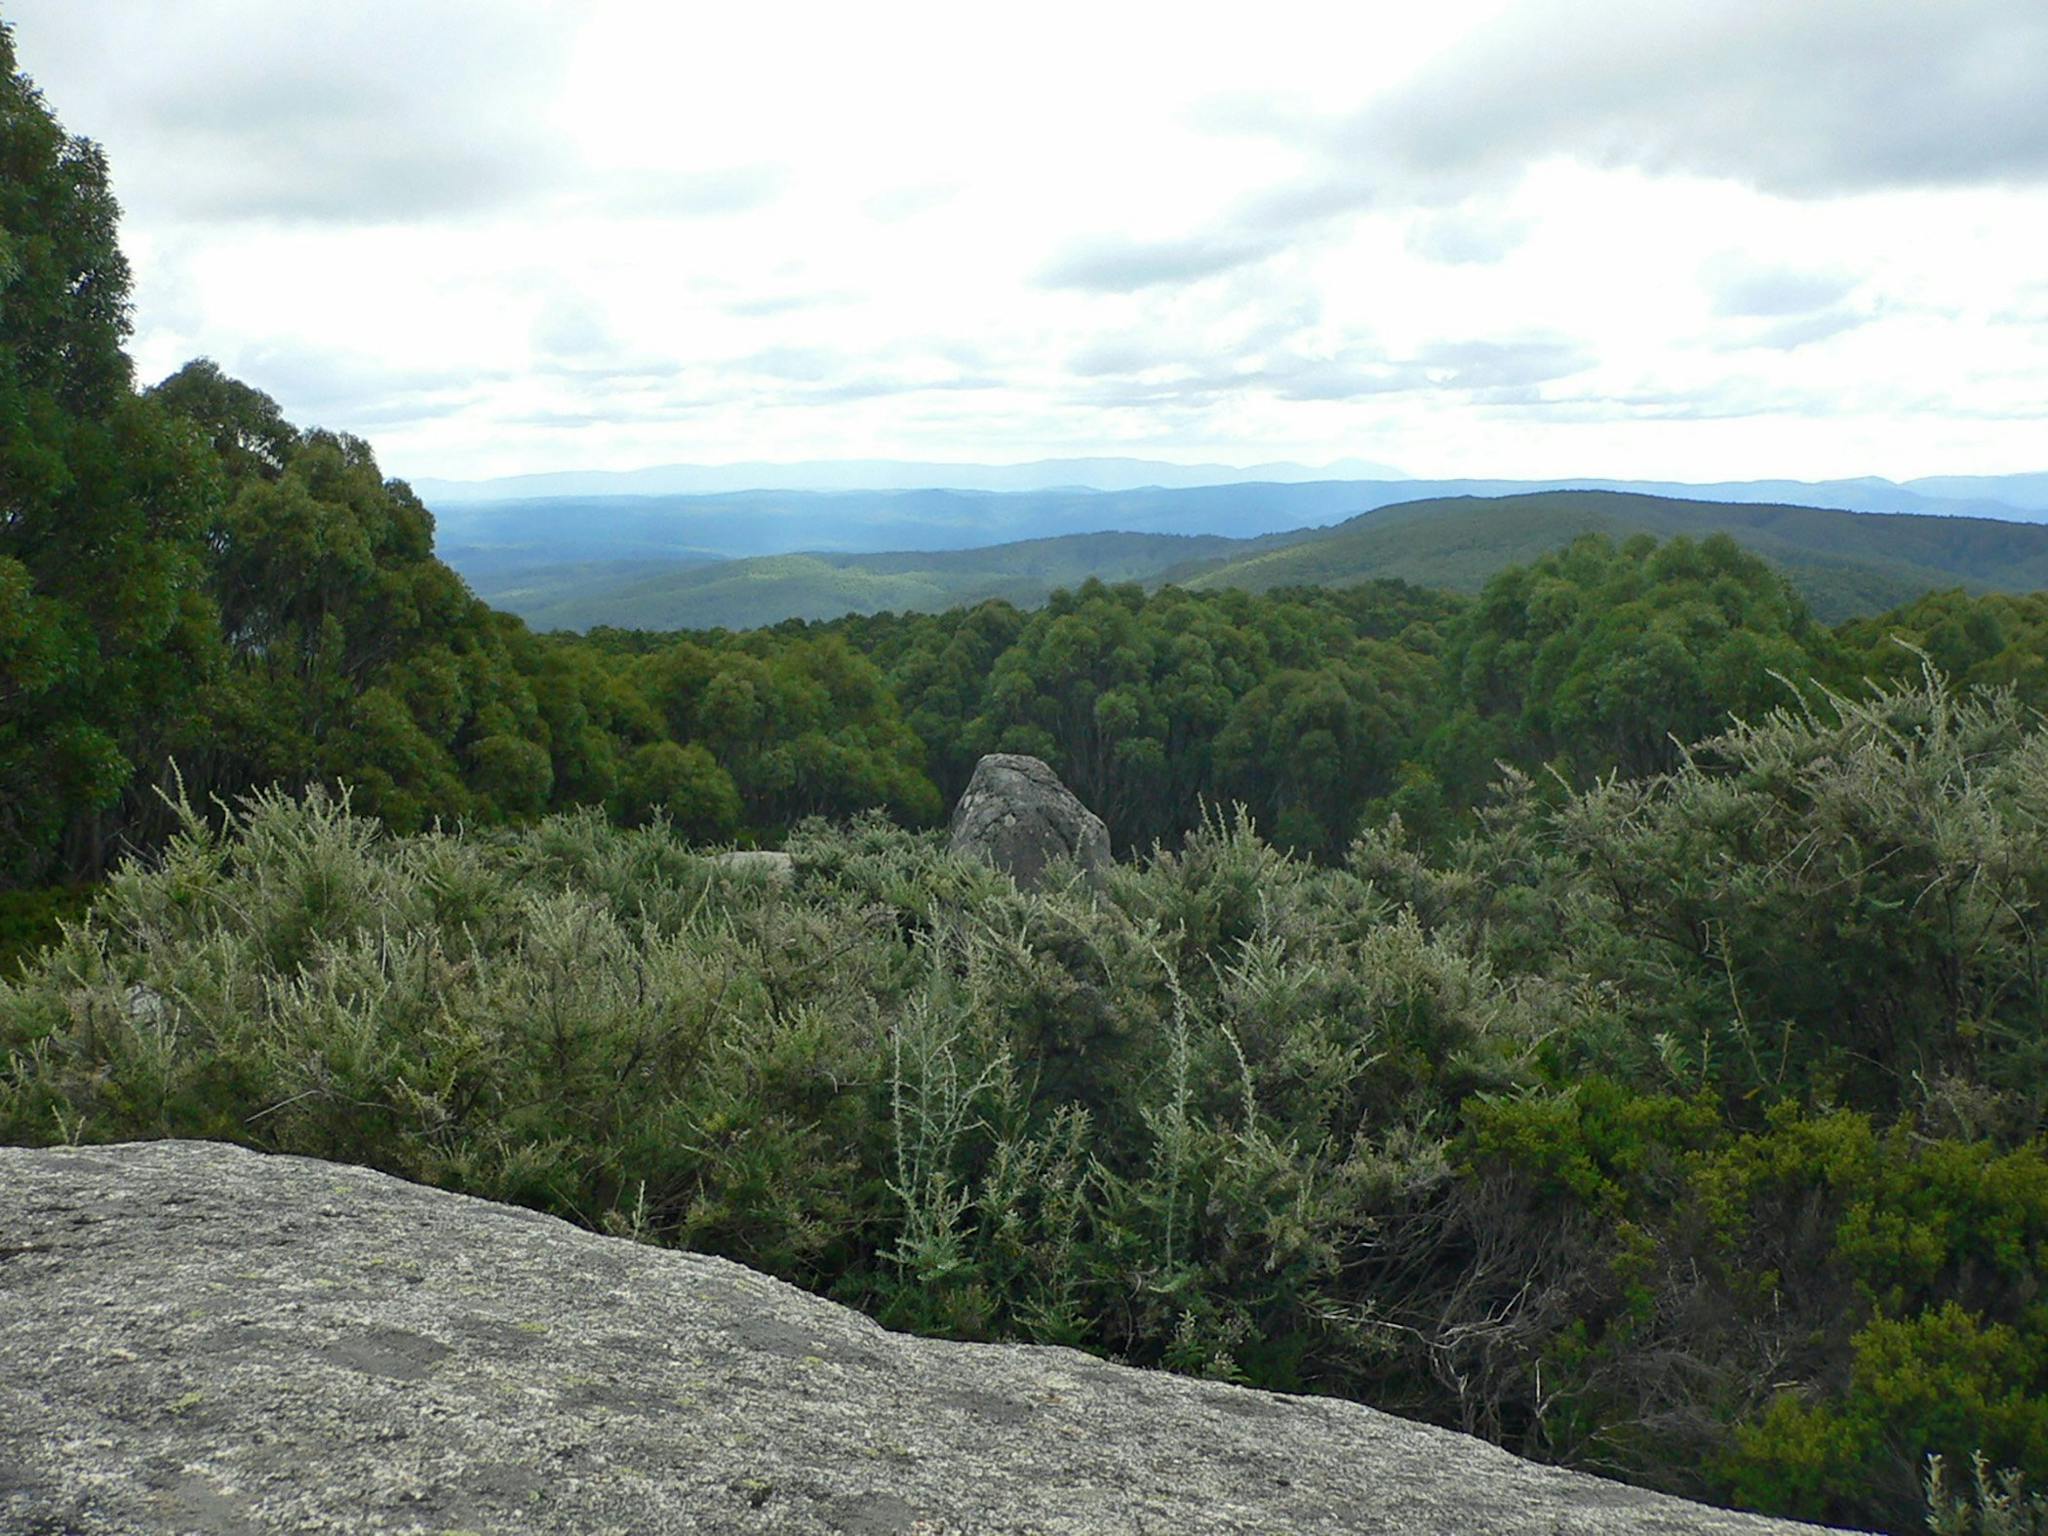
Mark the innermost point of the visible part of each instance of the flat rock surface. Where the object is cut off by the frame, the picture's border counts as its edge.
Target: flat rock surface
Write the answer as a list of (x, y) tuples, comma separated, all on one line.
[(195, 1338)]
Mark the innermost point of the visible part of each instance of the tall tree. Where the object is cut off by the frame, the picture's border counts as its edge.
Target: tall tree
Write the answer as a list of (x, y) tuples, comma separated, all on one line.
[(1604, 657), (104, 628)]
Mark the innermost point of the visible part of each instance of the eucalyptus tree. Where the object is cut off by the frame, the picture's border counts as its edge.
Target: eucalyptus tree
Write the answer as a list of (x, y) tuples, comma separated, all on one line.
[(105, 629)]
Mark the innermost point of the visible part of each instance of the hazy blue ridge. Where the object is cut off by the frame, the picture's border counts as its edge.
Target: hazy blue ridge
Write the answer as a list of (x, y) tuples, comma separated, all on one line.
[(1846, 563), (2027, 491), (736, 523), (1100, 474)]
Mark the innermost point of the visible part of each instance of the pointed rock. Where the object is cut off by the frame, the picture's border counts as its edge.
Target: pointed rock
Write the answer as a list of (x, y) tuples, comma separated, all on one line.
[(1018, 816)]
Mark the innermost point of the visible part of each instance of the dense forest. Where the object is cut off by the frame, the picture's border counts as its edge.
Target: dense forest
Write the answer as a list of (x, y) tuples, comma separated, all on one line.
[(1606, 1013)]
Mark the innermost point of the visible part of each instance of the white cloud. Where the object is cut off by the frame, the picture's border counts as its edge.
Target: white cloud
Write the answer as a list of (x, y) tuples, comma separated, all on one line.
[(1481, 237)]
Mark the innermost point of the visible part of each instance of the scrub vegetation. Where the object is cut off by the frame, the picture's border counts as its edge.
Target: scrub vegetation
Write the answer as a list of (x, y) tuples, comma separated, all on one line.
[(1684, 1127), (1602, 1010)]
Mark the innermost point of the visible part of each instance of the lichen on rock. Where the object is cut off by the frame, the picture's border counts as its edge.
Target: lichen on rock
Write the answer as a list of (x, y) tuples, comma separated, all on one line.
[(197, 1338), (1017, 815)]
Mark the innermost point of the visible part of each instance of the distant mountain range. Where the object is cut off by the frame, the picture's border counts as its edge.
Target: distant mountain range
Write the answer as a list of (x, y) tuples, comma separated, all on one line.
[(1846, 563), (2030, 491), (888, 475), (552, 530), (2024, 497)]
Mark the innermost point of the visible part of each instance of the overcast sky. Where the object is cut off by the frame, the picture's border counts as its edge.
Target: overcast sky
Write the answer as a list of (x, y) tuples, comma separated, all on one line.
[(1696, 239)]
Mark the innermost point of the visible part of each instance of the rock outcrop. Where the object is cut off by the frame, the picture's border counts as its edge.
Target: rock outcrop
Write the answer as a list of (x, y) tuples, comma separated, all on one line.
[(1018, 816), (195, 1338), (764, 864)]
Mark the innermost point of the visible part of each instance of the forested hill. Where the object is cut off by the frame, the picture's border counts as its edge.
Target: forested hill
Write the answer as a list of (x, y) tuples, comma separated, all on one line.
[(769, 589), (1847, 564)]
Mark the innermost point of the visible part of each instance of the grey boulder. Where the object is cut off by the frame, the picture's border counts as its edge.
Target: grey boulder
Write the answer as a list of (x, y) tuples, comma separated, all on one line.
[(1018, 816), (195, 1338), (764, 864)]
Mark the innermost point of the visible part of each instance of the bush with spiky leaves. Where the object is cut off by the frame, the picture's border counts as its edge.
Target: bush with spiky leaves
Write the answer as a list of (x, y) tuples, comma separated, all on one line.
[(1685, 1128)]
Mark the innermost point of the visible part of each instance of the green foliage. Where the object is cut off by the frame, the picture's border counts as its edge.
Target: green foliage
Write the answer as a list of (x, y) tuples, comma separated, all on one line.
[(803, 725), (1993, 641), (102, 503), (1608, 658), (1606, 1014), (1920, 1387), (1840, 898), (1844, 564), (683, 784), (32, 920), (903, 1080), (1996, 1504), (1300, 706), (1656, 1127), (197, 600)]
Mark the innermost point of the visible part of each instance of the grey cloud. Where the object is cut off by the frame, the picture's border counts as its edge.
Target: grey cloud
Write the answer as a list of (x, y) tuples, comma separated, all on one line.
[(1100, 358), (1803, 330), (1732, 399), (382, 176), (1180, 393), (823, 376), (572, 328), (1255, 229), (1250, 323), (1336, 379), (1809, 99), (349, 392), (612, 414), (378, 110), (2028, 308), (1747, 289), (2025, 411), (1308, 200), (295, 100), (1138, 370), (1482, 370), (1128, 266), (562, 419), (1502, 364), (611, 370), (573, 341), (1769, 305), (395, 413), (1460, 237), (800, 365), (965, 356)]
